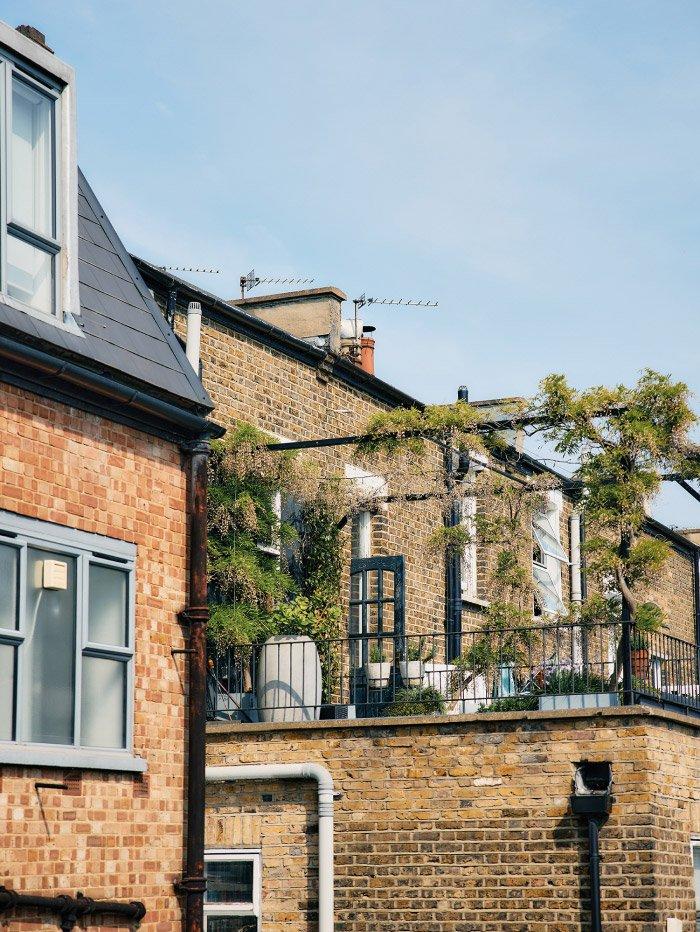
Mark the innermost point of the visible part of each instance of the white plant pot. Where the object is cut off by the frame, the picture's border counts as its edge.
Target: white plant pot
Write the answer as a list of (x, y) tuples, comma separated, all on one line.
[(289, 679), (378, 674), (440, 676), (412, 672)]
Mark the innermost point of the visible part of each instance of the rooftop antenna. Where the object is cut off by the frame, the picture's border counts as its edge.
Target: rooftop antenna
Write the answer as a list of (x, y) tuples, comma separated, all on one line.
[(364, 301), (182, 268), (251, 280)]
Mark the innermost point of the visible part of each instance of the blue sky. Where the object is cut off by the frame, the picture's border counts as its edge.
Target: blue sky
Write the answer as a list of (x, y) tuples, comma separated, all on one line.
[(533, 166)]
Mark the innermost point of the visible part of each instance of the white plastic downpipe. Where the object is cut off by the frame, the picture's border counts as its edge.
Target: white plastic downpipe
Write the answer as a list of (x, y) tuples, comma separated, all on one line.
[(576, 586), (194, 334), (575, 537), (325, 817)]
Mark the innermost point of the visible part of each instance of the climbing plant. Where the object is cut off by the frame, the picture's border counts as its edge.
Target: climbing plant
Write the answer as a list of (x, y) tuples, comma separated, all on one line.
[(268, 574)]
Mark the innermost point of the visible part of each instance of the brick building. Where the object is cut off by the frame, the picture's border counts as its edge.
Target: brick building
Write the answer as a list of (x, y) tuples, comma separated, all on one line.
[(460, 821), (101, 417)]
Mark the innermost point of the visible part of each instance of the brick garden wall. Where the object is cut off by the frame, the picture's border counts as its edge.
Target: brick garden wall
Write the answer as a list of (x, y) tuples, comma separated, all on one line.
[(456, 824), (110, 835)]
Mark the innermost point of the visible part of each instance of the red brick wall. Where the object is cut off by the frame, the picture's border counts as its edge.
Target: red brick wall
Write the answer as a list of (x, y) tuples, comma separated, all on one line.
[(113, 836)]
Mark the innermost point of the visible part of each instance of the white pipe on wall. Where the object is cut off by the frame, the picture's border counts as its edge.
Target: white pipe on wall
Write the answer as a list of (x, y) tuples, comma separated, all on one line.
[(194, 334), (326, 794), (575, 569)]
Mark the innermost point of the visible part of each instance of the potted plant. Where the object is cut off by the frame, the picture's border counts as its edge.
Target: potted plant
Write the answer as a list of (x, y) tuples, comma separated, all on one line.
[(378, 668), (290, 685), (416, 701), (412, 667), (639, 649), (440, 676)]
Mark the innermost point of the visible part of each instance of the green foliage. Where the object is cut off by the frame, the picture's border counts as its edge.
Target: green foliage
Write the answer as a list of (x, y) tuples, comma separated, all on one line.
[(625, 439), (409, 428), (512, 704), (301, 615), (416, 700), (377, 654), (252, 592), (449, 540), (572, 682), (648, 618), (246, 582)]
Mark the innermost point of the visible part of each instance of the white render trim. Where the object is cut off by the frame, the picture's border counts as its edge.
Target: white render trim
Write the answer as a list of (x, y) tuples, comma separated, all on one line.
[(49, 755), (371, 485)]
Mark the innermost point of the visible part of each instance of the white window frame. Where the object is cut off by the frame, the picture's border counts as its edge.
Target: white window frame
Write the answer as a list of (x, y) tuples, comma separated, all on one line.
[(695, 843), (87, 549), (551, 566), (252, 908), (45, 72)]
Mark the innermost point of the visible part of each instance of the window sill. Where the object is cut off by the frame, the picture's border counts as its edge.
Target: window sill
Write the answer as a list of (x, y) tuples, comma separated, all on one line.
[(44, 755), (479, 603)]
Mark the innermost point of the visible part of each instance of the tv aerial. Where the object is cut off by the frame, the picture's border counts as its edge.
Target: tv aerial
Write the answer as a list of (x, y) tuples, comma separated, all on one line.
[(251, 280), (364, 301), (183, 268)]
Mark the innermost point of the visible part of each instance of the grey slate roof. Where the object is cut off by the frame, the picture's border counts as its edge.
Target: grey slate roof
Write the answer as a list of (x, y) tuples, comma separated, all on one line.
[(125, 335)]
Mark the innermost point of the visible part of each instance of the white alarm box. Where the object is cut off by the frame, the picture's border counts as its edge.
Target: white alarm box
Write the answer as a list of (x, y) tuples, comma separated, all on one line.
[(55, 574)]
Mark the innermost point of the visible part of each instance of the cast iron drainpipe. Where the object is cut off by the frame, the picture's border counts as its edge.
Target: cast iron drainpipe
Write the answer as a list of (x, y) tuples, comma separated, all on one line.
[(591, 800), (193, 884), (71, 909), (326, 795)]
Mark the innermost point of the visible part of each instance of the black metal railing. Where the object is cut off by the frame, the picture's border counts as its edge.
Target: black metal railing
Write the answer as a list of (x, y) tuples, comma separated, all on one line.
[(665, 671), (556, 666)]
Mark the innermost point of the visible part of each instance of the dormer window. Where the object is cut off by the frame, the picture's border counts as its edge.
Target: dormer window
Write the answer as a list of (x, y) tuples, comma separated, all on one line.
[(38, 180)]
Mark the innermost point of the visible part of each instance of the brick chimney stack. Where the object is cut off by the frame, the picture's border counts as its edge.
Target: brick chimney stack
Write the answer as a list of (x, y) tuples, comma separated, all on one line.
[(36, 35)]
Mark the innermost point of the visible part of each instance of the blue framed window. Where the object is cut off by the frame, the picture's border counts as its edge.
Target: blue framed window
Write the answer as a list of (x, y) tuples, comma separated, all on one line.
[(66, 640)]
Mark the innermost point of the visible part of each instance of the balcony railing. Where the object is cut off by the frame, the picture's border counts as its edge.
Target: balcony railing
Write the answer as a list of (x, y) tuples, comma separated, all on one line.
[(545, 667)]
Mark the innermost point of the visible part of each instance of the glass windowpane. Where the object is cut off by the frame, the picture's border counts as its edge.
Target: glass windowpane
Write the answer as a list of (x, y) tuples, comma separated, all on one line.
[(32, 159), (231, 924), (102, 717), (107, 612), (7, 691), (30, 274), (544, 535), (696, 875), (547, 590), (49, 653), (229, 882), (9, 568)]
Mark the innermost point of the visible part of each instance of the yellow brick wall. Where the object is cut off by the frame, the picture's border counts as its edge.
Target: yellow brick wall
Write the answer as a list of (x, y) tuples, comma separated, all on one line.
[(460, 824), (111, 835), (250, 382)]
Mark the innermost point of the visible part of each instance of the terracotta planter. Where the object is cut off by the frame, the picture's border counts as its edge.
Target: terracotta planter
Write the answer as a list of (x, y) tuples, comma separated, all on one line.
[(640, 661)]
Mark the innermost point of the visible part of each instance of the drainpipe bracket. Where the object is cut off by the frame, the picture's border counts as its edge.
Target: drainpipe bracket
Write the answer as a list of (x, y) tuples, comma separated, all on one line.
[(194, 614), (189, 885)]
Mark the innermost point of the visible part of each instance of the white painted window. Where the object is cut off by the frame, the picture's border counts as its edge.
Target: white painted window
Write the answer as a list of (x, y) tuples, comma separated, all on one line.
[(232, 900), (695, 853), (66, 639), (469, 554), (38, 181), (548, 556)]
